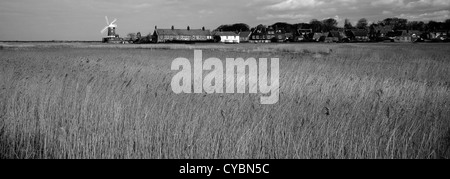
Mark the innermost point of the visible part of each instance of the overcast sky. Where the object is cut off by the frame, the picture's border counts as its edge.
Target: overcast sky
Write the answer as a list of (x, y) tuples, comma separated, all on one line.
[(83, 19)]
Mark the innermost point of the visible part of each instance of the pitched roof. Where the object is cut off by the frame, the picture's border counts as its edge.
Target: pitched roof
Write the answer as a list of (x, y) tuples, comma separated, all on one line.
[(245, 34), (184, 32), (262, 30)]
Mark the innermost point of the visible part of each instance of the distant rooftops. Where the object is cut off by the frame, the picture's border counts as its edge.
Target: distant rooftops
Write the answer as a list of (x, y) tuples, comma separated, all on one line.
[(186, 32), (245, 34)]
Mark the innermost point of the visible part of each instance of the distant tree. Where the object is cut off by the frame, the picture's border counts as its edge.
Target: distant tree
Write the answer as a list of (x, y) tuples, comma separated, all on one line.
[(373, 34), (436, 26), (447, 24), (260, 26), (398, 23), (131, 36), (432, 26), (415, 25), (402, 23), (410, 25), (239, 27), (316, 26), (329, 24), (138, 35), (362, 24), (283, 25), (217, 38), (348, 24), (421, 26), (302, 26)]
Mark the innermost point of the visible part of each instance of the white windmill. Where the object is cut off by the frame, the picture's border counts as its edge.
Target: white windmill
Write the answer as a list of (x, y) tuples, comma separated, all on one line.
[(111, 27)]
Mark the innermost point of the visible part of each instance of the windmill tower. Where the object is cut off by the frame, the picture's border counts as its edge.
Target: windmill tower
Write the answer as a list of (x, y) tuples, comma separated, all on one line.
[(111, 28)]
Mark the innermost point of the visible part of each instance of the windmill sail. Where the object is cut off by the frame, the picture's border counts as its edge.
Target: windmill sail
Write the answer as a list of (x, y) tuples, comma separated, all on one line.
[(103, 31), (107, 21), (109, 26)]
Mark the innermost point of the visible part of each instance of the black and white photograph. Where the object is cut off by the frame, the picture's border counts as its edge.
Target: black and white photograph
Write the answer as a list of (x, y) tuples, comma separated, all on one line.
[(225, 79)]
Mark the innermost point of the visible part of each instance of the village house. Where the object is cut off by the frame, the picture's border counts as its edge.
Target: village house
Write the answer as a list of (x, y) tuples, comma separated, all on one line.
[(381, 31), (244, 36), (262, 34), (181, 35), (440, 34), (335, 36), (404, 36), (280, 35), (358, 35), (289, 37), (437, 35), (304, 35), (228, 37), (319, 37), (392, 35)]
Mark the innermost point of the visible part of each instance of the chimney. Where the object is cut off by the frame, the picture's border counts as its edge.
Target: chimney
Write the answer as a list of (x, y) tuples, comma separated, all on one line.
[(203, 28), (188, 28), (173, 28)]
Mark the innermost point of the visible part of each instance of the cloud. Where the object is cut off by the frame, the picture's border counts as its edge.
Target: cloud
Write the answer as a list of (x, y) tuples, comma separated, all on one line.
[(206, 12), (329, 10), (427, 3), (388, 3), (336, 17), (436, 16), (411, 4), (300, 17), (295, 4), (140, 6), (386, 12)]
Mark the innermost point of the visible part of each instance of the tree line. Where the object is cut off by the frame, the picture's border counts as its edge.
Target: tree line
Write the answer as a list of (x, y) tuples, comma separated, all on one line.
[(331, 24)]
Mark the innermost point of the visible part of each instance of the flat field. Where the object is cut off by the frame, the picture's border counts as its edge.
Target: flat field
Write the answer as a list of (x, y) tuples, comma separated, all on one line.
[(115, 101)]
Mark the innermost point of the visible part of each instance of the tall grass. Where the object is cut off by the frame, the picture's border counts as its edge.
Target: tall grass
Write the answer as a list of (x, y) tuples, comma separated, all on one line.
[(336, 101)]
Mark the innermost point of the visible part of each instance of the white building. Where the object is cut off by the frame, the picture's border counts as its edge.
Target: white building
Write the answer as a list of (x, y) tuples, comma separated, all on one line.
[(228, 37)]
